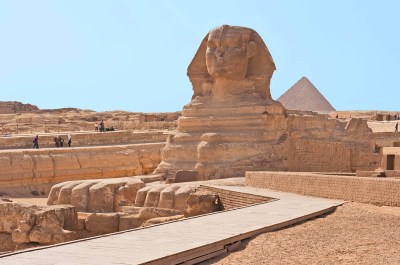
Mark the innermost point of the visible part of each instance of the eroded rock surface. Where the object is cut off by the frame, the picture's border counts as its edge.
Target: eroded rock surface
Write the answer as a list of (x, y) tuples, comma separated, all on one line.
[(102, 195), (202, 202), (27, 223)]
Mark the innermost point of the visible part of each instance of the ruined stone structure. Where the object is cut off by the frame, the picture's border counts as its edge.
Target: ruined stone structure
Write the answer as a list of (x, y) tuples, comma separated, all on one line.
[(232, 125)]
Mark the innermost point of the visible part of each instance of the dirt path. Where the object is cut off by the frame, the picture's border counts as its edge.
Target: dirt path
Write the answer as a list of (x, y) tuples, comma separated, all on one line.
[(354, 234)]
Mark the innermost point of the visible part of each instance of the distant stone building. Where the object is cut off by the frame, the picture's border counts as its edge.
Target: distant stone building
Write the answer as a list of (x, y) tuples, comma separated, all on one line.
[(305, 96)]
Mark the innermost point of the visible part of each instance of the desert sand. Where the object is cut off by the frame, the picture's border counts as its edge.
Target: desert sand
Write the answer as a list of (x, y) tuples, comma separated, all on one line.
[(354, 234)]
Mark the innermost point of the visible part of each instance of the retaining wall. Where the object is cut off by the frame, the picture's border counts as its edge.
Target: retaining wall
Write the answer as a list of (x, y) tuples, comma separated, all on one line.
[(379, 191), (24, 171)]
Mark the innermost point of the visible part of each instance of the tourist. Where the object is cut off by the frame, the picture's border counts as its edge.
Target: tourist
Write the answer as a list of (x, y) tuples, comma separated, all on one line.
[(102, 128), (61, 140), (396, 128), (36, 142), (96, 128), (69, 140), (56, 141)]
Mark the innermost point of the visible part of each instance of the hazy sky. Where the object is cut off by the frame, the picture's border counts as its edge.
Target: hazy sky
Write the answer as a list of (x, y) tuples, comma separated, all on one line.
[(133, 55)]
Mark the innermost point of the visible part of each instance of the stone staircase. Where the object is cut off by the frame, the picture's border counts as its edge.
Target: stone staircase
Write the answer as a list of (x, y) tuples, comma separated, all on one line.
[(232, 199)]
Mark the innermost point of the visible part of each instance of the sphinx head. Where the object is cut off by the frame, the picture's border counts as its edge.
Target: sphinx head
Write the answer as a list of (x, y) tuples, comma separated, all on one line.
[(228, 52), (232, 53)]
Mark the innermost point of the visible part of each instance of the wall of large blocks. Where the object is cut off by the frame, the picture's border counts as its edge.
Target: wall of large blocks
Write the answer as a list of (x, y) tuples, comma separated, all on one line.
[(307, 155), (25, 171), (378, 191), (85, 139)]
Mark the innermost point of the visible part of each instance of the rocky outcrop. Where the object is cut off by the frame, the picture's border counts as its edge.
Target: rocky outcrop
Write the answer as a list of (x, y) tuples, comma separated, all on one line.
[(202, 202), (25, 171), (7, 107), (37, 224)]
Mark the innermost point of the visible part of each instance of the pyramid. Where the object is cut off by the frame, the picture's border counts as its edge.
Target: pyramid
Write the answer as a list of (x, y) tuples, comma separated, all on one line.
[(305, 96)]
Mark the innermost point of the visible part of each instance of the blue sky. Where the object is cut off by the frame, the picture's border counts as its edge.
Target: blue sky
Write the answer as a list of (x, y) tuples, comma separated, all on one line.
[(133, 55)]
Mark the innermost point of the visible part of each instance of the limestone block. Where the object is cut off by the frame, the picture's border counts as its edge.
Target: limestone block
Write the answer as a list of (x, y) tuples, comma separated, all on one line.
[(153, 196), (152, 212), (126, 195), (186, 176), (202, 202), (11, 213), (48, 225), (64, 196), (181, 196), (80, 195), (102, 223), (167, 197), (130, 222), (141, 196), (159, 220), (54, 193), (101, 195)]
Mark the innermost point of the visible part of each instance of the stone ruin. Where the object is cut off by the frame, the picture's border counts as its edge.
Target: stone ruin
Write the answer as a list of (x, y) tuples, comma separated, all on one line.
[(232, 124)]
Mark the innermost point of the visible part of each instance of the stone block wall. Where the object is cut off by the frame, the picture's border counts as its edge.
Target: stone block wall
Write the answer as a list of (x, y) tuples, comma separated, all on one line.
[(24, 171), (379, 191), (85, 139)]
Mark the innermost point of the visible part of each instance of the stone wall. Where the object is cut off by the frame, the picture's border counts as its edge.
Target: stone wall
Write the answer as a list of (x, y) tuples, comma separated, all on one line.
[(25, 171), (386, 139), (379, 191), (85, 139)]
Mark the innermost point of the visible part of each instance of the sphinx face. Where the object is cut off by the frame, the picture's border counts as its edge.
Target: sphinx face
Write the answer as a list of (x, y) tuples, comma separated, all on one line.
[(227, 53)]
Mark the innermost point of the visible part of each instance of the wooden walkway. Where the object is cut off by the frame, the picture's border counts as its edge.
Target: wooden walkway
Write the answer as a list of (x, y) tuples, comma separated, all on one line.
[(187, 241)]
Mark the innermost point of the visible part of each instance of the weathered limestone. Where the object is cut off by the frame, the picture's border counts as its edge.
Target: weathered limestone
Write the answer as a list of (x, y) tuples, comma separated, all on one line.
[(232, 125), (44, 225), (102, 223), (24, 171), (146, 214), (202, 202), (102, 195)]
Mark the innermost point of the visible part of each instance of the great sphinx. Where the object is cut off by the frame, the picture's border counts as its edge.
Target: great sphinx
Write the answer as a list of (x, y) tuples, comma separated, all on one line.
[(231, 124)]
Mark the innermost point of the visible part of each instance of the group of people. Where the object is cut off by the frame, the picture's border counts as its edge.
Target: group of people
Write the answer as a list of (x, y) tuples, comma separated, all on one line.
[(396, 117), (102, 128), (58, 140)]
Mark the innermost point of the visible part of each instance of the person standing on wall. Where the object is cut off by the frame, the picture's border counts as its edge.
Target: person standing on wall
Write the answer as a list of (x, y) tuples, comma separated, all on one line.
[(396, 127), (36, 142), (69, 140)]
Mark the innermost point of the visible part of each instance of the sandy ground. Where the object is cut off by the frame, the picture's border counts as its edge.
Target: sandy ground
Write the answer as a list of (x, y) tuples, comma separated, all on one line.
[(354, 234), (31, 200)]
